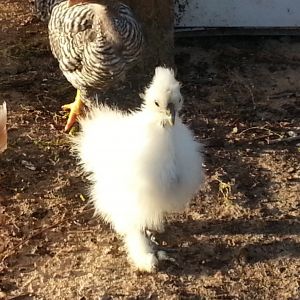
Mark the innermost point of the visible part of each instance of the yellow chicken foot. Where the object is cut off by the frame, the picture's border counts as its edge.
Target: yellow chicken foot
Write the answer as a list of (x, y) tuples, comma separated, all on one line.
[(75, 110)]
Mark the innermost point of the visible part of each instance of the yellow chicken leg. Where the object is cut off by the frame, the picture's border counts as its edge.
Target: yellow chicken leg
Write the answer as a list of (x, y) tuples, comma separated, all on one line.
[(75, 110)]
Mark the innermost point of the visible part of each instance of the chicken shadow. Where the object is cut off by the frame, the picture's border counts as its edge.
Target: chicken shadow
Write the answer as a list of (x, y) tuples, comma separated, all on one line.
[(203, 249)]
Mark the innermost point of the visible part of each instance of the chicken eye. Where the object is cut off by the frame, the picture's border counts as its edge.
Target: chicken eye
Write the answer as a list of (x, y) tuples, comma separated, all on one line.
[(156, 103)]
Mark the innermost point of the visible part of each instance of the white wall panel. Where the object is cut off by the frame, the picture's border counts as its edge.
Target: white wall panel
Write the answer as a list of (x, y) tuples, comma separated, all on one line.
[(237, 13)]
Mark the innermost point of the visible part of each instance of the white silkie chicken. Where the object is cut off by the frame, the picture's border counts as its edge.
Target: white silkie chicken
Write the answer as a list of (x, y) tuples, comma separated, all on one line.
[(142, 165), (3, 132)]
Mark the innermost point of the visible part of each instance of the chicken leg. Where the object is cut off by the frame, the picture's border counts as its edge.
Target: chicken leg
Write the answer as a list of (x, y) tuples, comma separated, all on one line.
[(75, 110)]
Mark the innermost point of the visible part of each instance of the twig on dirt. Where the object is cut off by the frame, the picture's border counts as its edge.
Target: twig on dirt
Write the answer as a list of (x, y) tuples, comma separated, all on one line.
[(24, 242), (284, 94), (41, 102), (266, 136), (20, 245), (14, 83), (250, 89), (262, 137), (253, 128), (248, 85), (283, 140), (224, 187)]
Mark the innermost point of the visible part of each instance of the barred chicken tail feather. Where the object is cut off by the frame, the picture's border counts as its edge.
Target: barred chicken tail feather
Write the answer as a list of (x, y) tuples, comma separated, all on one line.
[(105, 19), (3, 132)]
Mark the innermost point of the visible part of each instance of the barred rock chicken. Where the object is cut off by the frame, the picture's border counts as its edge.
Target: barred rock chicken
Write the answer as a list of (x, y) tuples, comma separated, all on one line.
[(95, 43), (142, 165), (3, 133), (43, 8)]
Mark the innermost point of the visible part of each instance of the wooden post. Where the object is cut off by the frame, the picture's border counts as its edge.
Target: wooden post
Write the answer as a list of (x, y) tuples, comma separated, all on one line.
[(157, 18)]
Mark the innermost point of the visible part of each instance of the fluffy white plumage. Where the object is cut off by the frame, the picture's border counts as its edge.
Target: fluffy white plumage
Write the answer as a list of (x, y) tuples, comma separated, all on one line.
[(3, 132), (141, 164)]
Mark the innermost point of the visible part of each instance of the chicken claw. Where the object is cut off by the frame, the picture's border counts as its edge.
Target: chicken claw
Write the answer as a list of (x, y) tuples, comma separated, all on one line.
[(75, 110)]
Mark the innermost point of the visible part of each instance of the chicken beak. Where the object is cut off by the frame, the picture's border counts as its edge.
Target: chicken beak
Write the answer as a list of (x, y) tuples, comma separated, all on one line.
[(171, 113)]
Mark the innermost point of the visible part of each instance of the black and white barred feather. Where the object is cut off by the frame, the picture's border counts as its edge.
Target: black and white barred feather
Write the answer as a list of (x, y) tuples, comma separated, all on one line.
[(95, 42), (43, 8)]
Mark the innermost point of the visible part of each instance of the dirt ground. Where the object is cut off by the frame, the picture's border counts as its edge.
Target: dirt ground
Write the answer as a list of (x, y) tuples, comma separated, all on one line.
[(240, 237)]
